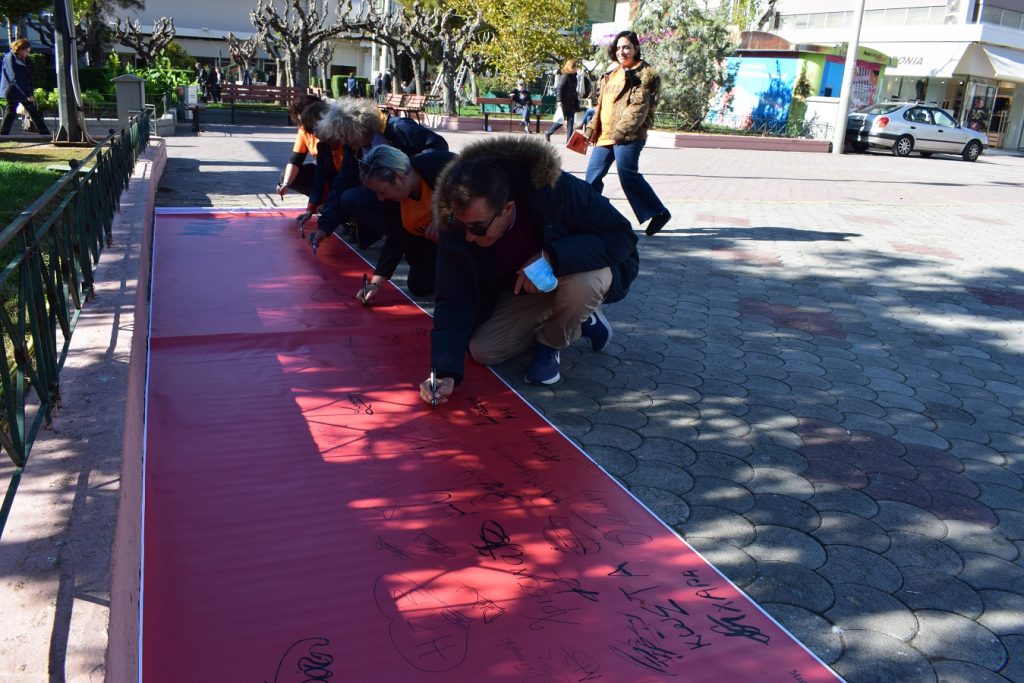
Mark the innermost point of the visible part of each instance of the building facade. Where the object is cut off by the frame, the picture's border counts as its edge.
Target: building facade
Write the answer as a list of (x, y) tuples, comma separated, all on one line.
[(967, 56)]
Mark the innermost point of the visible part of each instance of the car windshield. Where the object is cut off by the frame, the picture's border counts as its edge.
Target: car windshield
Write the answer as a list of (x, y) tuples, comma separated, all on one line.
[(876, 109)]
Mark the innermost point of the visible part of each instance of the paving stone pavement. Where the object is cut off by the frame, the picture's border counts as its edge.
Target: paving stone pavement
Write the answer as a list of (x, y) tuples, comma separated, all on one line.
[(817, 379)]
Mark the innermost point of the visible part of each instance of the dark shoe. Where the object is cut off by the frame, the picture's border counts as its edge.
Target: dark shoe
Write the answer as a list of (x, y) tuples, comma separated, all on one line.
[(543, 367), (657, 223), (597, 329), (547, 135)]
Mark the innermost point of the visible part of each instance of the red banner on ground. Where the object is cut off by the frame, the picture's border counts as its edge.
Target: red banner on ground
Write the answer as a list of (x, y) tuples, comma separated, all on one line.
[(308, 518)]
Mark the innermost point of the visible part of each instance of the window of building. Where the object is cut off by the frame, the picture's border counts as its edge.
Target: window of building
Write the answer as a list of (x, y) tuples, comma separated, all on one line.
[(917, 15), (893, 16), (837, 19), (874, 17), (997, 16)]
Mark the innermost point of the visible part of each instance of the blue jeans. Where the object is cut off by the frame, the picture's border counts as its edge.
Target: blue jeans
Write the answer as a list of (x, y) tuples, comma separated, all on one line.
[(639, 193)]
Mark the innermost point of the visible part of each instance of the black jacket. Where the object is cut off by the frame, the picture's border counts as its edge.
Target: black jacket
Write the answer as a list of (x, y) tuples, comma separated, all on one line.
[(567, 94), (16, 80), (428, 166), (400, 132), (580, 230)]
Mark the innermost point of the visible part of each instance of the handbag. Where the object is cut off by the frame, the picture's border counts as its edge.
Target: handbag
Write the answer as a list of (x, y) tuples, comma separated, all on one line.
[(559, 116), (577, 142)]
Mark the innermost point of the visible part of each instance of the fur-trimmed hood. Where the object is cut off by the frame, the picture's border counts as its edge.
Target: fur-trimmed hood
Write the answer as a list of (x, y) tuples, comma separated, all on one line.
[(537, 156)]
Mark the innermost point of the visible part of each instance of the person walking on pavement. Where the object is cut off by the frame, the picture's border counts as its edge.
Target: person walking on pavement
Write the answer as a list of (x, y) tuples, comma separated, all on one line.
[(16, 88), (378, 87), (527, 253), (567, 98), (405, 187), (618, 131)]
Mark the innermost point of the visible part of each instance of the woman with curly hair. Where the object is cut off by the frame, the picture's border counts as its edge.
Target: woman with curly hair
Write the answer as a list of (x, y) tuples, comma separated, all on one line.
[(358, 125), (618, 131)]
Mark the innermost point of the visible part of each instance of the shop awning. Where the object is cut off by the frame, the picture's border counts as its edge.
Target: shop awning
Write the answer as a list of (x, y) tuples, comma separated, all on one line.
[(991, 61)]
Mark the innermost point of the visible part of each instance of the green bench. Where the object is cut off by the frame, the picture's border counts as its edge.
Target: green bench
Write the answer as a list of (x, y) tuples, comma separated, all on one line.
[(503, 105)]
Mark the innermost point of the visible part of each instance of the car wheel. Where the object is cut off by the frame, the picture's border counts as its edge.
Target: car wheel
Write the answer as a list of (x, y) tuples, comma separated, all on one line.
[(903, 146), (860, 147), (925, 154), (972, 151)]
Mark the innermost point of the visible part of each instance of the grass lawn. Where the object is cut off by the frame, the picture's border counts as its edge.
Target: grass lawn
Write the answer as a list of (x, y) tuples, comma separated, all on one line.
[(23, 173)]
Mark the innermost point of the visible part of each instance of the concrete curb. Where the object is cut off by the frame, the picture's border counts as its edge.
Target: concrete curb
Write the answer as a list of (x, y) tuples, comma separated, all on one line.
[(56, 549), (122, 659)]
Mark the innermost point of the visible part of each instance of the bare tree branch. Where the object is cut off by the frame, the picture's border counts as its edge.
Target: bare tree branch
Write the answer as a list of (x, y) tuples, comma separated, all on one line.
[(146, 47), (296, 29)]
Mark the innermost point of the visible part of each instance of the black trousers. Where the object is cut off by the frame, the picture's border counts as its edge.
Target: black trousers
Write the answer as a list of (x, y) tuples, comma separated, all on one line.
[(11, 113), (303, 183), (421, 255)]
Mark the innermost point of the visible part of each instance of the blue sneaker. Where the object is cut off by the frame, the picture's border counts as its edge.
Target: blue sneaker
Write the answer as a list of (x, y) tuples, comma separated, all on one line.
[(597, 329), (543, 366)]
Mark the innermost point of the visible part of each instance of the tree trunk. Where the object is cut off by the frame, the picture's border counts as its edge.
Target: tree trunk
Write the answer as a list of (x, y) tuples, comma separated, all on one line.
[(451, 101), (417, 76), (300, 78)]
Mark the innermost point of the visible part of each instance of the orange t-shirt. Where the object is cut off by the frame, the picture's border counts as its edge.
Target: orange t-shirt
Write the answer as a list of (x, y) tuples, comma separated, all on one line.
[(417, 213), (612, 87), (305, 143)]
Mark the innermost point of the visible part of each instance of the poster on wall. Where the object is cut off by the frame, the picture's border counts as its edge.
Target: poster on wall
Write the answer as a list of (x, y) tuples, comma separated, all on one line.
[(760, 98), (864, 86)]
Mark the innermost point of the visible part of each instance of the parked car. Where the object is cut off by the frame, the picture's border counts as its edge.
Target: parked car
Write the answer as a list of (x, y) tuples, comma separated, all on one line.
[(906, 127)]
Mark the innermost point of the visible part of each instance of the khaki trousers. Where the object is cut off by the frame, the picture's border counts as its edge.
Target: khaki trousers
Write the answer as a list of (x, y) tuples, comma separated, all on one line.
[(552, 318)]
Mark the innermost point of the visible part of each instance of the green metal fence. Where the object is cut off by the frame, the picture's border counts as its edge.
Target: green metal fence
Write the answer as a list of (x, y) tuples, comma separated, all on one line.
[(52, 246)]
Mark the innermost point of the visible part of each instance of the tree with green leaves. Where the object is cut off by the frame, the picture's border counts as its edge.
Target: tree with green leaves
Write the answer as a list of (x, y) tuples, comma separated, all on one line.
[(93, 31), (525, 34), (689, 46), (745, 13), (15, 12)]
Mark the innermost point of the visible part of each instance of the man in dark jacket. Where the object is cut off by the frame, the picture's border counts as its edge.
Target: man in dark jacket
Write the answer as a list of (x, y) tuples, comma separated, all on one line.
[(16, 88), (526, 255)]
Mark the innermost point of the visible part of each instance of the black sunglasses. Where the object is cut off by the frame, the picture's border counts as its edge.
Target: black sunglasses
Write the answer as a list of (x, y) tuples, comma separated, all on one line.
[(478, 229)]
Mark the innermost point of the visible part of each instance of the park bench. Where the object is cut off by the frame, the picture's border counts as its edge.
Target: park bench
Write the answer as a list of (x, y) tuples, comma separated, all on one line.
[(260, 94), (411, 106), (503, 105)]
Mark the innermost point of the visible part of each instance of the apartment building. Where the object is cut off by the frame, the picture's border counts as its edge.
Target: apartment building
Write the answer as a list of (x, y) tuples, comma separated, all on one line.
[(967, 56)]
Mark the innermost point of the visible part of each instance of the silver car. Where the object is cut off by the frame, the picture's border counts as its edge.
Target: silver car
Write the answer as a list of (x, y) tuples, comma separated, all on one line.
[(906, 127)]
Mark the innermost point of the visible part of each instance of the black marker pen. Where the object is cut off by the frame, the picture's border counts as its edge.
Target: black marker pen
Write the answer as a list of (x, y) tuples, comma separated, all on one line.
[(433, 388)]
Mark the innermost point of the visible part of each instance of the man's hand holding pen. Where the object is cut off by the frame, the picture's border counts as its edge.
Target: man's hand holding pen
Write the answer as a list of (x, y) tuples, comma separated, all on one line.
[(436, 392)]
